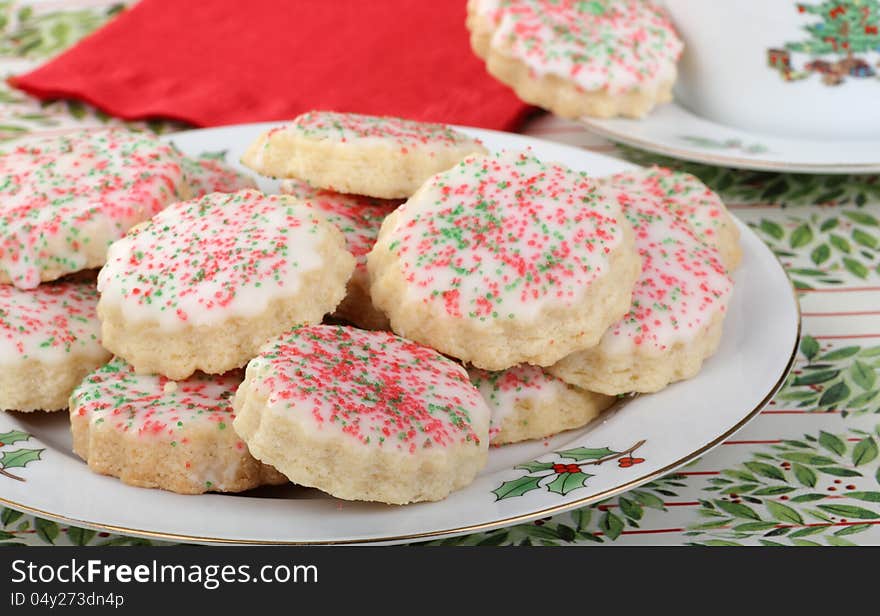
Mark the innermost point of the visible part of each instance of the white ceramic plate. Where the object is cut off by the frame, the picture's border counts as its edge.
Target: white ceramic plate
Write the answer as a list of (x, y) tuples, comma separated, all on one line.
[(664, 430), (673, 130)]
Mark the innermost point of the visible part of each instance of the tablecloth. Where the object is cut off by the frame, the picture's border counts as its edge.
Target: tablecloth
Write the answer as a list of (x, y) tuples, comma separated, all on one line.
[(824, 228)]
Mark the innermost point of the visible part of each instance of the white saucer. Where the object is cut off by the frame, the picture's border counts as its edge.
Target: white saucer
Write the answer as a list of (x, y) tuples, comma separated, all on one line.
[(674, 131)]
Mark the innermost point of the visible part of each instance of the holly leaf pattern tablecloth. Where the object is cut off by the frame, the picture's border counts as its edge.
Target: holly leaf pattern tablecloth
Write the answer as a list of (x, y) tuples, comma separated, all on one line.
[(806, 471)]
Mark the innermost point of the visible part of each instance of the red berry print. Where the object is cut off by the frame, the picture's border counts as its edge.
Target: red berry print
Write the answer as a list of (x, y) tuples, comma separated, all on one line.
[(566, 468)]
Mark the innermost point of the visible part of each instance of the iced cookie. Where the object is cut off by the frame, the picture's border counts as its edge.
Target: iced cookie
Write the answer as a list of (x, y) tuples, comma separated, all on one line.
[(155, 433), (504, 260), (359, 219), (689, 199), (206, 282), (49, 340), (363, 415), (64, 200), (677, 312), (528, 403), (207, 175), (382, 157), (599, 58)]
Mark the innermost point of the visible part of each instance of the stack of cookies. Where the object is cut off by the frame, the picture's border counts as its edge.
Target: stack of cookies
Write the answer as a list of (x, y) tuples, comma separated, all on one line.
[(62, 202), (363, 415), (476, 298), (65, 200), (556, 291)]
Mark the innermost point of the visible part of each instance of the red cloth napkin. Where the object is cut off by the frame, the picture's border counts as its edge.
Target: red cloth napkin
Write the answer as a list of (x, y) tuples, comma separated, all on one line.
[(220, 62)]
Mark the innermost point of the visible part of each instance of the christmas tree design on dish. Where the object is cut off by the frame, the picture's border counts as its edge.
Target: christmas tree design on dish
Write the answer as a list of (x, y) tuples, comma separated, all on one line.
[(847, 28)]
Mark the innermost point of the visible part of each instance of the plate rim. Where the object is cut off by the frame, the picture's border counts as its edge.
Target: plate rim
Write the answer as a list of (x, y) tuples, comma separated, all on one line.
[(470, 528), (463, 530), (601, 127)]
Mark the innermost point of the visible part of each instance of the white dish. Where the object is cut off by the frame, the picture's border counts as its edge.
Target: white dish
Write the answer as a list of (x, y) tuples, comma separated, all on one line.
[(802, 70), (673, 130), (39, 473)]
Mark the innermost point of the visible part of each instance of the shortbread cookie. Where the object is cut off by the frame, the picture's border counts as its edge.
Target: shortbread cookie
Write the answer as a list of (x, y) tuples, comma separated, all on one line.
[(49, 340), (155, 433), (363, 415), (64, 200), (504, 260), (359, 219), (382, 157), (599, 58), (678, 309), (688, 198), (206, 282), (527, 403), (207, 175)]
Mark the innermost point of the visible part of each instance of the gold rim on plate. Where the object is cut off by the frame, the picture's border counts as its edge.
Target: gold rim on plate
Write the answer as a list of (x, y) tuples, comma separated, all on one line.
[(462, 530), (450, 531)]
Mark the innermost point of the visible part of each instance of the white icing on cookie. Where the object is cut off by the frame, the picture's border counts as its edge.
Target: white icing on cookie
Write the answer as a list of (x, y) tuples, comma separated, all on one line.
[(374, 388), (60, 197), (396, 133), (358, 218), (505, 389), (207, 175), (154, 411), (682, 285), (155, 407), (686, 197), (206, 260), (618, 45), (504, 236), (49, 324)]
